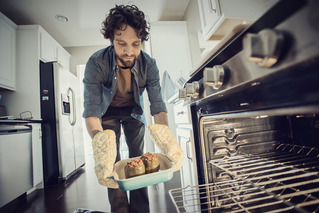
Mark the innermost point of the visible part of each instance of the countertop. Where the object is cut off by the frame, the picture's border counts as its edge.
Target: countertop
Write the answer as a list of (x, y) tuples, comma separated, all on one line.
[(18, 121)]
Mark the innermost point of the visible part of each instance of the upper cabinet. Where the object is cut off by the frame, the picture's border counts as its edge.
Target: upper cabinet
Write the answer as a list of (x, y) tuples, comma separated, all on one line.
[(34, 44), (7, 53), (219, 17), (209, 15), (48, 47), (63, 57), (51, 50)]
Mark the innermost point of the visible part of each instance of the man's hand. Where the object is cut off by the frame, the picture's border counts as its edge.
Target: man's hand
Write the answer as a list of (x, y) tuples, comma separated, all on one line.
[(163, 137), (105, 153)]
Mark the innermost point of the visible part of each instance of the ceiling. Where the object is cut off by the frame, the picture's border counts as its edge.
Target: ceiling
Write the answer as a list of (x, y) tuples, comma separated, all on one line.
[(85, 16)]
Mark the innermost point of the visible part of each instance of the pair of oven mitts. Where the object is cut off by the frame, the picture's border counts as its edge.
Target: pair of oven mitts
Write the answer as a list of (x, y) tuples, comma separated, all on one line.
[(105, 151)]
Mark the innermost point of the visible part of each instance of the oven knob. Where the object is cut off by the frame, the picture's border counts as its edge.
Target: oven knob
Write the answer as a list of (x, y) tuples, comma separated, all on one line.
[(192, 89), (183, 94), (213, 76), (263, 48)]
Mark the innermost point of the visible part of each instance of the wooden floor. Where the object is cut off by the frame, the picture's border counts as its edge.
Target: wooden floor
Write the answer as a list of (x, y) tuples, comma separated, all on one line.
[(83, 191)]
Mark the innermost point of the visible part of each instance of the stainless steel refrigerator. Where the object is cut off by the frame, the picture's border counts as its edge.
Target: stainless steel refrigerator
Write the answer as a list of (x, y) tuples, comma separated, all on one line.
[(63, 145)]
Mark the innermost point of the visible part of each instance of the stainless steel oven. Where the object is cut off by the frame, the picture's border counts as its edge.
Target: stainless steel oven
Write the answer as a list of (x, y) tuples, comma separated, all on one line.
[(254, 107)]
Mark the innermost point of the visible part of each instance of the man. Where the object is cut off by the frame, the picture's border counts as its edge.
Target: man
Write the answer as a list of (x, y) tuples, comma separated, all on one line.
[(114, 80)]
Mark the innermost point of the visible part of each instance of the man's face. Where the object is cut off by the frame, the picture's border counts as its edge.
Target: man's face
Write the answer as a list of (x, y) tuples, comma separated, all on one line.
[(127, 46)]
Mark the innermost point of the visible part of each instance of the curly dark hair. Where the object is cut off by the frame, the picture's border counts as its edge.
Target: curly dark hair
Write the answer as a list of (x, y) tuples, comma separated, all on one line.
[(128, 15)]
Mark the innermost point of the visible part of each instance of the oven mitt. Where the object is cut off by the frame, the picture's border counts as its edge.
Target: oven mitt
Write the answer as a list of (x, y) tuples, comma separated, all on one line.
[(105, 153), (167, 143)]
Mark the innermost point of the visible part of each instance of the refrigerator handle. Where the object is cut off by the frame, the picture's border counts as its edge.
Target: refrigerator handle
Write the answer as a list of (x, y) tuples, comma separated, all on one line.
[(73, 102)]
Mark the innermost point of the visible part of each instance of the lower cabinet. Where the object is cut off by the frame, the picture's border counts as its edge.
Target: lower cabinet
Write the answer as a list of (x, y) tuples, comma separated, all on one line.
[(37, 154), (188, 171)]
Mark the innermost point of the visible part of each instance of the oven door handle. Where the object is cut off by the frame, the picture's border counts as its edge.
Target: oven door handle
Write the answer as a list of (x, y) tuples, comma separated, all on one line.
[(188, 149)]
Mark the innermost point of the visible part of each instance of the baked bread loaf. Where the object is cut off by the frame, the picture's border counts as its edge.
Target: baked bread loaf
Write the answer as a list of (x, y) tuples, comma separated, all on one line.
[(151, 162), (134, 168)]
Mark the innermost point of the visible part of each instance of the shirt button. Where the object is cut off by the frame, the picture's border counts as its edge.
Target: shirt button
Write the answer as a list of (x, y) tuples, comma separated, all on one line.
[(115, 78)]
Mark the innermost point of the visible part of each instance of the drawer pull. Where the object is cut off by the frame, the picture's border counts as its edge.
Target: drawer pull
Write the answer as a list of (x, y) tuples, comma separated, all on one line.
[(188, 151), (180, 113)]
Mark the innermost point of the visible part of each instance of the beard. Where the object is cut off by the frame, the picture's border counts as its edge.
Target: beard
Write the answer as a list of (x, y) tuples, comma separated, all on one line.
[(126, 63)]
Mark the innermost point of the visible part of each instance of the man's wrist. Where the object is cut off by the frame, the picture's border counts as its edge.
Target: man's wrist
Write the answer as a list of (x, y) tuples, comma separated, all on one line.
[(94, 132)]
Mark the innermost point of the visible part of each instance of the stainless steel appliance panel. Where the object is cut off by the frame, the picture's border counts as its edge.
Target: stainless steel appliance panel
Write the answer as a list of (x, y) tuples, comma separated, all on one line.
[(254, 108)]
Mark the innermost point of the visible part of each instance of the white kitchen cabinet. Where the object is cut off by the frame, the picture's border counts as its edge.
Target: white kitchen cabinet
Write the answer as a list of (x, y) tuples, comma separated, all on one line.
[(181, 114), (188, 172), (218, 17), (51, 50), (209, 15), (27, 94), (7, 53), (185, 139), (37, 154), (63, 57), (48, 47)]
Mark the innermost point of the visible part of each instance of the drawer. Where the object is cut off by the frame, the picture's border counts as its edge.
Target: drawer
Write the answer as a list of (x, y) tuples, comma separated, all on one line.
[(181, 113)]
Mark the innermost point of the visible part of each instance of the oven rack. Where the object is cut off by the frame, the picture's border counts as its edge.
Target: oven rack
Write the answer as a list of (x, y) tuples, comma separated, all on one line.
[(285, 180)]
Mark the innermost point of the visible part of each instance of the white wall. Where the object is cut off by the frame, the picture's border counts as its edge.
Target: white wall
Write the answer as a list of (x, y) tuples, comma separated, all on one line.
[(80, 55), (192, 17)]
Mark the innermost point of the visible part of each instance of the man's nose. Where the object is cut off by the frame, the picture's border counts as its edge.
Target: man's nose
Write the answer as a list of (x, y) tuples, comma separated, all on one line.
[(128, 50)]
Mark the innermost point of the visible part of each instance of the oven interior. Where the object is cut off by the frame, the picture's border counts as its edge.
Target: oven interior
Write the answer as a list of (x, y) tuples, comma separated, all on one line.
[(258, 162)]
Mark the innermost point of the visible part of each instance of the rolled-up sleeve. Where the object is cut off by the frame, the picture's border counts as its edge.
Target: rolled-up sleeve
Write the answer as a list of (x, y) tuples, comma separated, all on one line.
[(154, 90), (92, 82)]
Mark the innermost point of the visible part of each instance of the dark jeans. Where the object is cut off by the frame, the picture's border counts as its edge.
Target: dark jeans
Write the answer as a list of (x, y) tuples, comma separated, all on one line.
[(134, 130)]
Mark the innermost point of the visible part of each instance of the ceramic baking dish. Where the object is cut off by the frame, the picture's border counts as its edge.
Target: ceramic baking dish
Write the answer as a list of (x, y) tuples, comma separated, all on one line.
[(165, 173)]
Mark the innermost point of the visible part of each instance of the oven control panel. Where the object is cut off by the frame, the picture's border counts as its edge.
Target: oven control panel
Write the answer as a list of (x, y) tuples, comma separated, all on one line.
[(261, 57)]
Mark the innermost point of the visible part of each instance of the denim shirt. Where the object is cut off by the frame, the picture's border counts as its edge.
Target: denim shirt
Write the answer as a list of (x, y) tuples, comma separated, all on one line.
[(100, 84)]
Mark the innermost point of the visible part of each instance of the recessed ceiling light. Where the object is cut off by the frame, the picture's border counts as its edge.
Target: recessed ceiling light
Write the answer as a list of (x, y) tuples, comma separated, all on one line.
[(62, 18)]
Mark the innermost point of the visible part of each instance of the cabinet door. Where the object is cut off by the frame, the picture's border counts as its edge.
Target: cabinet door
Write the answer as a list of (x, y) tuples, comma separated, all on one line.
[(7, 55), (181, 115), (188, 169), (63, 57), (48, 47), (37, 154), (209, 15)]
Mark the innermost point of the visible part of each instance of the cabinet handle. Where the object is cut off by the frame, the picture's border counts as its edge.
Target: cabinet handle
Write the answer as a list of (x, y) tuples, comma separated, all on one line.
[(211, 7), (73, 121), (187, 148), (40, 133), (180, 113)]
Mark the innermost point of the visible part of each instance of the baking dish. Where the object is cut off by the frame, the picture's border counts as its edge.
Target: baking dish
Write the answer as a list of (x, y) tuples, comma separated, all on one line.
[(164, 174)]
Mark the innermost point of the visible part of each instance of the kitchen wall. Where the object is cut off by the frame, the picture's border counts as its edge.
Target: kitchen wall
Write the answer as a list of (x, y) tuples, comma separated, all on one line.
[(192, 17), (80, 55)]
